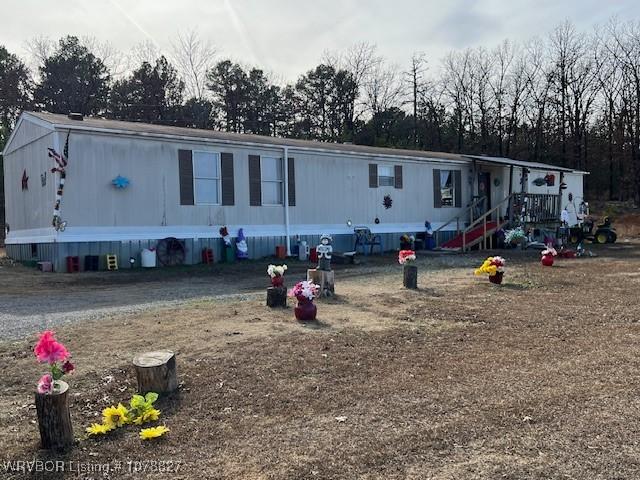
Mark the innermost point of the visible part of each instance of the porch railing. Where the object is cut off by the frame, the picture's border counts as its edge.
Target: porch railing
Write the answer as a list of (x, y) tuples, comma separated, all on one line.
[(536, 207), (461, 218)]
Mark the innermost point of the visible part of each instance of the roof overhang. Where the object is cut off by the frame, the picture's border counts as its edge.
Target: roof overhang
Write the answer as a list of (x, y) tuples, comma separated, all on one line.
[(508, 162)]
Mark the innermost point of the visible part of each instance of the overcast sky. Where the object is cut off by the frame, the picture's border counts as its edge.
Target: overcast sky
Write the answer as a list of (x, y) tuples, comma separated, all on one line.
[(288, 37)]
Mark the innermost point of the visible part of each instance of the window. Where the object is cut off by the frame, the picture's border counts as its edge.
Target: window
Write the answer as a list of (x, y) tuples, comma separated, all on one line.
[(447, 188), (272, 180), (206, 178), (386, 177)]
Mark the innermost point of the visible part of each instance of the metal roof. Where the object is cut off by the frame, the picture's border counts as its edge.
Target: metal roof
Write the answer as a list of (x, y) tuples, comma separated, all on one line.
[(517, 163), (165, 131), (148, 129)]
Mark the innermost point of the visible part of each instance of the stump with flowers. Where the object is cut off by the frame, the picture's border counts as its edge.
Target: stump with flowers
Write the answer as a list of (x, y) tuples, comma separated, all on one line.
[(406, 258), (51, 397), (277, 292), (494, 268)]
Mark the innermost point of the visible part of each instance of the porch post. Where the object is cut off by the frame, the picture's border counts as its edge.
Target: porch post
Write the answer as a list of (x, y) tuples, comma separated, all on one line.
[(510, 202)]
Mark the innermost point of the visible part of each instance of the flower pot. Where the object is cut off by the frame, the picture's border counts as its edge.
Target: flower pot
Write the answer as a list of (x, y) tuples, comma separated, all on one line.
[(305, 310), (547, 260), (497, 278), (277, 281), (54, 418)]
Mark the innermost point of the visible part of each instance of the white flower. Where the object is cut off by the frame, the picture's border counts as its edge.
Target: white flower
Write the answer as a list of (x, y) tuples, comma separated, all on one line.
[(276, 270)]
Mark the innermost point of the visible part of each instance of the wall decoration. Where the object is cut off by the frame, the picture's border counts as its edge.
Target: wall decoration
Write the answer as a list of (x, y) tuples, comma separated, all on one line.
[(43, 179), (550, 178), (25, 180), (387, 201), (61, 166), (120, 182), (538, 182), (496, 181)]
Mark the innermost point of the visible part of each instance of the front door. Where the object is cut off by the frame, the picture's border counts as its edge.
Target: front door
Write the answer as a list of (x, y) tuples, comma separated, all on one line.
[(484, 188)]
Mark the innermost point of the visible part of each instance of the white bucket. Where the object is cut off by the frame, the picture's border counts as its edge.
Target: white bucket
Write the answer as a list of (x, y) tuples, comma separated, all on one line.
[(303, 253), (148, 258)]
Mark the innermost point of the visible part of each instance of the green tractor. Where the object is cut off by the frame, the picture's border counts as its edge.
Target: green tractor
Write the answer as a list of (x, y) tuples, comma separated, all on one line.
[(604, 233)]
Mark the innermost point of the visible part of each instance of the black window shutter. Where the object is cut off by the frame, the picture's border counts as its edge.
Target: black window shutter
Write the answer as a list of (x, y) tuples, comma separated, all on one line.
[(457, 178), (437, 193), (291, 180), (255, 179), (185, 175), (226, 172), (397, 175), (373, 175)]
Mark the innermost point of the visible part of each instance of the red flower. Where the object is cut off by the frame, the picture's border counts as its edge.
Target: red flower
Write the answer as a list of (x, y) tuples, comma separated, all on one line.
[(68, 367), (405, 255), (49, 350)]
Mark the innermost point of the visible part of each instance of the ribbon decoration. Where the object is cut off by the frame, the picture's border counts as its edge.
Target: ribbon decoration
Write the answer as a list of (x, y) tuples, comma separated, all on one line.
[(61, 165)]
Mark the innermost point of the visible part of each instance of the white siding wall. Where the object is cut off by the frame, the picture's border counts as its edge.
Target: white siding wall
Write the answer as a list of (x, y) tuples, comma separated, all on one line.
[(330, 189), (32, 208)]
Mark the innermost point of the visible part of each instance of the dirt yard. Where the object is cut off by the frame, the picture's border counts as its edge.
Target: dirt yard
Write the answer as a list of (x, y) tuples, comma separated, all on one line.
[(535, 379)]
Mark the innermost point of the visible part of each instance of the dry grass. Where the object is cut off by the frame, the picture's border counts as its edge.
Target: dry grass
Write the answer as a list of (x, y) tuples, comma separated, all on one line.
[(459, 380)]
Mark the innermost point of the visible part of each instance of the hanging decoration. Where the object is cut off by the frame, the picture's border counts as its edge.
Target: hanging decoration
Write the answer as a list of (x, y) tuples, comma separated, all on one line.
[(43, 178), (61, 165), (120, 182), (538, 182), (387, 202), (550, 179), (496, 181), (25, 180)]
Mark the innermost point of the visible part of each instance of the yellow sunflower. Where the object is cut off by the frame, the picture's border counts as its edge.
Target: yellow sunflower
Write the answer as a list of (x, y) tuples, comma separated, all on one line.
[(115, 416), (99, 429), (148, 416), (153, 432)]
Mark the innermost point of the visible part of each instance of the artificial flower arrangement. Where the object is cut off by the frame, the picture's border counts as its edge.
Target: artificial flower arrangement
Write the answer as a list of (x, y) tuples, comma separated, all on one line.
[(407, 240), (276, 272), (305, 292), (55, 354), (493, 267), (140, 411), (406, 257), (514, 236), (547, 256)]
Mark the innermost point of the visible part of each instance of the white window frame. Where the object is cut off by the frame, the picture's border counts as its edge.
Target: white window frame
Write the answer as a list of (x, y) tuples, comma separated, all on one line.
[(263, 181), (196, 177), (453, 189), (392, 176)]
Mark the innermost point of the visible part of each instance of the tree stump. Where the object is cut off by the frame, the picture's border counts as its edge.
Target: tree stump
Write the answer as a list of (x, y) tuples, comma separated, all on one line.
[(277, 297), (410, 277), (325, 279), (54, 419), (156, 372)]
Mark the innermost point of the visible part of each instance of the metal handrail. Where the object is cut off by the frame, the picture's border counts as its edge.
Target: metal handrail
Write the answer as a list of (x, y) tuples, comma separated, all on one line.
[(457, 217)]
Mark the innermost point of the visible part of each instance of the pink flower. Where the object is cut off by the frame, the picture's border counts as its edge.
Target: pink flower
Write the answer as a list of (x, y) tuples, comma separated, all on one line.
[(68, 367), (406, 256), (50, 351), (45, 384)]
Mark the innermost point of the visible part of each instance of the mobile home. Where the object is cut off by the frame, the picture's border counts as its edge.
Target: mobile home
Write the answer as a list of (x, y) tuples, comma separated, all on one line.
[(79, 186)]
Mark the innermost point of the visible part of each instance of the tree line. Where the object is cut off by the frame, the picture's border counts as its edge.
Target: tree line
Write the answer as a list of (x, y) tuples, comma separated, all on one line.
[(570, 98)]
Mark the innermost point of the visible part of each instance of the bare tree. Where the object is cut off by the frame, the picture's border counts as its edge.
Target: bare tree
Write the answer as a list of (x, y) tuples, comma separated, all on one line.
[(115, 61), (382, 88), (415, 82), (145, 51), (194, 57)]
